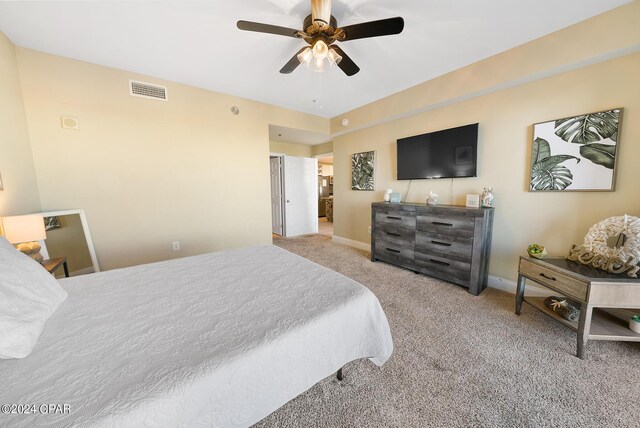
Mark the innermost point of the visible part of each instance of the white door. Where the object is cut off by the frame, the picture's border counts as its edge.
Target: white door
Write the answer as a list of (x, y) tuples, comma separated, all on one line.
[(277, 223), (301, 195)]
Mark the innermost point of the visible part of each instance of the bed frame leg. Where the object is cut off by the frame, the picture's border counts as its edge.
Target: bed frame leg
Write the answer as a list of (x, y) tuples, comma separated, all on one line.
[(339, 374)]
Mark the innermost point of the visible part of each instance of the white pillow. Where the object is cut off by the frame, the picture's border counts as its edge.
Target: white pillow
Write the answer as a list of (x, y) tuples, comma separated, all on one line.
[(28, 296)]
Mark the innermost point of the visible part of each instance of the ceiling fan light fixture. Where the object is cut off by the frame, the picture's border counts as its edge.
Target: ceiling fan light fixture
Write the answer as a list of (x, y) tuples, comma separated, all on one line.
[(320, 50), (305, 56), (320, 30), (333, 57), (317, 65)]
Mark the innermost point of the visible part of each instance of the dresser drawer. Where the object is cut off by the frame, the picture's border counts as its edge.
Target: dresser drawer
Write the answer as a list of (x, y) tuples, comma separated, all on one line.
[(395, 234), (445, 225), (441, 262), (442, 267), (392, 250), (453, 247), (564, 284), (396, 218)]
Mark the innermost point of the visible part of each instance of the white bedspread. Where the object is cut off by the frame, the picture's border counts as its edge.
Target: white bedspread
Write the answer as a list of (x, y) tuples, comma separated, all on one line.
[(220, 339)]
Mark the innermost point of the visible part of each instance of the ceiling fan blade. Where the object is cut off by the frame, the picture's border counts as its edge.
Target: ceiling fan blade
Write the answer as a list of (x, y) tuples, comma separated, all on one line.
[(346, 64), (293, 63), (383, 27), (267, 28)]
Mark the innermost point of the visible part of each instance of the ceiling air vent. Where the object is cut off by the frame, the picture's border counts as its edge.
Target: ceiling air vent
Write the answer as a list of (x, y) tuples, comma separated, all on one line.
[(147, 90)]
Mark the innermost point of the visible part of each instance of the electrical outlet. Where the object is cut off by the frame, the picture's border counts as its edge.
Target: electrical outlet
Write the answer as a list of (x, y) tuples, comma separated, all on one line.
[(176, 245), (369, 230)]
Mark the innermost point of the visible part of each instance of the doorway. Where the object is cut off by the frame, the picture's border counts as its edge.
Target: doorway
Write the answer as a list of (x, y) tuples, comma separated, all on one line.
[(325, 194), (294, 195)]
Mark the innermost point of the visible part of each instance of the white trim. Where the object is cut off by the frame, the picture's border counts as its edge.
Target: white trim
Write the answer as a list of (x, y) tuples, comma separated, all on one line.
[(510, 287), (351, 243), (493, 281), (85, 229), (277, 154)]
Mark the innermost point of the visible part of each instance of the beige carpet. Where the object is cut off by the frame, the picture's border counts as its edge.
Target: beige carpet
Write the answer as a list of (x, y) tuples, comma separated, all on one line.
[(325, 227), (464, 361)]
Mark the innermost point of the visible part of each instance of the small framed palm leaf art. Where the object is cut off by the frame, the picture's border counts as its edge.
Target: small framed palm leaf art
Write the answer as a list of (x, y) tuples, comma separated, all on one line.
[(362, 169), (576, 153)]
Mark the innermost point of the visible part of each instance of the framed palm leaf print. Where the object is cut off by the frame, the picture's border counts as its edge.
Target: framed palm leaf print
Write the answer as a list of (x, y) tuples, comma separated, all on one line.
[(362, 170), (576, 153)]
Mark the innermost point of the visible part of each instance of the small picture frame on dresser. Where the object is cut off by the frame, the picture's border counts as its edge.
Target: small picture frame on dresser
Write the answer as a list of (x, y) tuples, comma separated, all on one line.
[(473, 201)]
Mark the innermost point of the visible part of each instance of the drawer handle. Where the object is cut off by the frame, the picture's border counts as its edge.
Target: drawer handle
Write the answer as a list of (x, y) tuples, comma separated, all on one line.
[(393, 234), (394, 218), (446, 244), (393, 250), (439, 223), (438, 262), (546, 276)]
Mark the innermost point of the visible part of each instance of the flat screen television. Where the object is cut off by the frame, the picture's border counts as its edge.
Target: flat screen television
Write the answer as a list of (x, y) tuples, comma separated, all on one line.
[(450, 153)]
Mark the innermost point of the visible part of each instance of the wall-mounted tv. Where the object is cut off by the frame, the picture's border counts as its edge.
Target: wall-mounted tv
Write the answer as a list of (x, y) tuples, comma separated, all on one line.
[(450, 153)]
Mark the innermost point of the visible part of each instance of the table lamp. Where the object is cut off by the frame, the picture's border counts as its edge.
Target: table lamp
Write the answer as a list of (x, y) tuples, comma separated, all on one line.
[(23, 231)]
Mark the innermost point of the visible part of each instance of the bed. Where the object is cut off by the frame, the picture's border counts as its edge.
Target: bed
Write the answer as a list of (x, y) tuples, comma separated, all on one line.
[(220, 339)]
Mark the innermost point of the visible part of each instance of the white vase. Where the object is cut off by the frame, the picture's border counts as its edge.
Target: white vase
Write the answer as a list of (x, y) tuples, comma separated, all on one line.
[(634, 325), (387, 195)]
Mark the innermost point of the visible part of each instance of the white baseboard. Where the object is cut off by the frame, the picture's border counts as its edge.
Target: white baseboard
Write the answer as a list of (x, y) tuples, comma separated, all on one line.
[(493, 281), (351, 243), (510, 287)]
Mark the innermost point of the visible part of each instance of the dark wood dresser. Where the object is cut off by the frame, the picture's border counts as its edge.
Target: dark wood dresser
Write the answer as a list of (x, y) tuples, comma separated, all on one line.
[(448, 242)]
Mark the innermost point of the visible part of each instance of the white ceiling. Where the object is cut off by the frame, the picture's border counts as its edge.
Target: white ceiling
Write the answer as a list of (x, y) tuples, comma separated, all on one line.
[(197, 42)]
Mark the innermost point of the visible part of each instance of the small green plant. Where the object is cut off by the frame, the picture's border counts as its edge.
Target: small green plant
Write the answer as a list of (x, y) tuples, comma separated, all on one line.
[(535, 249), (636, 318)]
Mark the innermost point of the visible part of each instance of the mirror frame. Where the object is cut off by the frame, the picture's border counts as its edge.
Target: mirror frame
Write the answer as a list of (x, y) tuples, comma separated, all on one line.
[(85, 228)]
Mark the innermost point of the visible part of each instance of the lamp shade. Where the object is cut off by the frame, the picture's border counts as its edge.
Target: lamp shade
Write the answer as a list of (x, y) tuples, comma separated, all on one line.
[(23, 228)]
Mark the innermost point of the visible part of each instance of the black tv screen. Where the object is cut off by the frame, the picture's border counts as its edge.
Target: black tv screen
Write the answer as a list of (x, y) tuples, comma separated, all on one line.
[(450, 153)]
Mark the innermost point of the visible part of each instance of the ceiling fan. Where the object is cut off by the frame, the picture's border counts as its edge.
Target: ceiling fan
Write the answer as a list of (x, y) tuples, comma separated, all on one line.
[(321, 31)]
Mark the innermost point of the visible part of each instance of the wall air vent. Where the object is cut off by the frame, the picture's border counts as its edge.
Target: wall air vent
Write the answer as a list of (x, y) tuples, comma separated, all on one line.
[(147, 90)]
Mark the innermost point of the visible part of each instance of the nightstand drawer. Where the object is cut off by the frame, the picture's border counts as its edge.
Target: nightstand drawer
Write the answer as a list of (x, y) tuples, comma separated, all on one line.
[(567, 285)]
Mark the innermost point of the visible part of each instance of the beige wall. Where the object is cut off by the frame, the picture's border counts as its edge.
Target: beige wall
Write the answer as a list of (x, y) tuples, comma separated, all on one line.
[(20, 195), (149, 172), (321, 149), (545, 79), (603, 36), (290, 149)]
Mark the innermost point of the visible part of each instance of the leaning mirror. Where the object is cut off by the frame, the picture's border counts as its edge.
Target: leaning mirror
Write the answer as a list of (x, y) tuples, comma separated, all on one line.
[(68, 236)]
